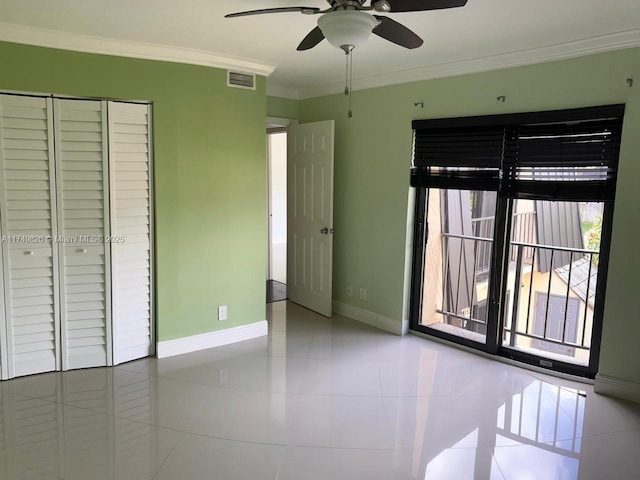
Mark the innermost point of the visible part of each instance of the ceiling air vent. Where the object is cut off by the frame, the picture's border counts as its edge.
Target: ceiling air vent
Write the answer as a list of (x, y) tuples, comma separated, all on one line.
[(241, 80)]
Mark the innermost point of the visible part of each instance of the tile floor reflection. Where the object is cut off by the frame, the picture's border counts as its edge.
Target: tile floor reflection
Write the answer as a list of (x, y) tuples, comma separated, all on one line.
[(318, 399)]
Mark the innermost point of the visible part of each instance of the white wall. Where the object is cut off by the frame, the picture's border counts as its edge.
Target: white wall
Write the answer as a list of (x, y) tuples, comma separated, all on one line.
[(278, 206)]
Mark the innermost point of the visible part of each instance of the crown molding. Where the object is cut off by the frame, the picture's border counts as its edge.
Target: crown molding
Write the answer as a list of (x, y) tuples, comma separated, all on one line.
[(579, 48), (105, 46), (282, 92), (124, 48)]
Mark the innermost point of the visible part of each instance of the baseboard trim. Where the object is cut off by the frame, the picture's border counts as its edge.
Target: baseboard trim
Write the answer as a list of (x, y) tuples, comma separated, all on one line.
[(616, 387), (396, 327), (179, 346)]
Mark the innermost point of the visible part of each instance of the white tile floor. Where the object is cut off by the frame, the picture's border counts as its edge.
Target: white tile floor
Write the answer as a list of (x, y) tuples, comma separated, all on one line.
[(319, 399)]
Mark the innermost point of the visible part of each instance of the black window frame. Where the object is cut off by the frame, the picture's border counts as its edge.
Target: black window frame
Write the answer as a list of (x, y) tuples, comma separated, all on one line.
[(424, 177)]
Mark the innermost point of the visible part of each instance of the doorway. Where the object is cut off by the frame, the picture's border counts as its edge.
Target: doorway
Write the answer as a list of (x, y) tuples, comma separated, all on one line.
[(277, 214), (300, 213)]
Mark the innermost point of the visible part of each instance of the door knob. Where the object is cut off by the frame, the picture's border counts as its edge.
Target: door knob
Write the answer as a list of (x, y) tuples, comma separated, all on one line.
[(324, 231), (28, 252)]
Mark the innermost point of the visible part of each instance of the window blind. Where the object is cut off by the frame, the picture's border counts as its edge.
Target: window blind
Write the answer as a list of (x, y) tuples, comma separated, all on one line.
[(465, 158), (557, 155), (566, 161)]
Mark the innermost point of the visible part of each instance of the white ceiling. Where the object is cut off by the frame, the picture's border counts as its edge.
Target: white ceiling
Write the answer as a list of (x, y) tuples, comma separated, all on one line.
[(481, 33)]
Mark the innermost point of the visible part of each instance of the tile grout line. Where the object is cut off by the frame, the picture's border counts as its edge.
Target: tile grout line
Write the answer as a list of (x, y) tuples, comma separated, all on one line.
[(157, 472), (504, 477)]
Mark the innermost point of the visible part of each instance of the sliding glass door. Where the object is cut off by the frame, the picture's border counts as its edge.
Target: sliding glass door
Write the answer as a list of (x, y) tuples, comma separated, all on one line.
[(512, 231), (554, 257), (458, 262)]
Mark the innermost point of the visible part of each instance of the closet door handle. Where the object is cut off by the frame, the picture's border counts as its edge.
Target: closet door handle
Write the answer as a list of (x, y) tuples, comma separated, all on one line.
[(82, 250), (29, 252)]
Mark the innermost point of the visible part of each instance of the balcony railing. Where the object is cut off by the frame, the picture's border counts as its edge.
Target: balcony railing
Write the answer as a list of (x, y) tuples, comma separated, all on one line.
[(549, 311), (483, 228), (523, 230), (462, 275), (559, 317)]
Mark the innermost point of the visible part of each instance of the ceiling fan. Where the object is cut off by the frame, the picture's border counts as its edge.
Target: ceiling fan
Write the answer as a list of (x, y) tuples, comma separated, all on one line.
[(346, 23)]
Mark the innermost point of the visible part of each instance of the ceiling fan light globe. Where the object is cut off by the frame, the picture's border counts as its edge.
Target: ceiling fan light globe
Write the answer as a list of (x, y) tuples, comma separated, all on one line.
[(347, 27)]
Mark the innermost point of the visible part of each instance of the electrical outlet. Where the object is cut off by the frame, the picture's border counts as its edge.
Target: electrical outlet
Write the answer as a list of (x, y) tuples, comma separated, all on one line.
[(222, 313), (363, 294), (349, 290)]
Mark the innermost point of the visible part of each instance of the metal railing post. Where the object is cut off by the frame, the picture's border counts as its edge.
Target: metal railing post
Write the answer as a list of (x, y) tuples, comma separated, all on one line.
[(516, 297), (546, 309), (566, 303)]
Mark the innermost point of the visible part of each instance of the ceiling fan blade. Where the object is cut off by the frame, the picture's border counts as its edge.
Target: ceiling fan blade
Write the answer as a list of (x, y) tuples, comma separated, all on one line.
[(305, 10), (423, 5), (314, 37), (397, 33)]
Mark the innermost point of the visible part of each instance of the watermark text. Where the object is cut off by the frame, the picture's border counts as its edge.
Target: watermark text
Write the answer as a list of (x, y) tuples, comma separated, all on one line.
[(62, 239)]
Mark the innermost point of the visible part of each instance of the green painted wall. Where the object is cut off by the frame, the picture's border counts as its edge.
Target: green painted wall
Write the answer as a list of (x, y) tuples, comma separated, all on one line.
[(210, 176), (373, 156), (283, 108)]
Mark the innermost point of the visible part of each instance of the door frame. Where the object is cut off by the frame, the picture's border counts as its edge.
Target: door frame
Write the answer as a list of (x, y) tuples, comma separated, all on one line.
[(273, 125)]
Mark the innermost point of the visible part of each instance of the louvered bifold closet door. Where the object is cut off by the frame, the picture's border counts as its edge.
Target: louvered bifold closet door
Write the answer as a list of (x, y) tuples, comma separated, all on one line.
[(28, 210), (131, 220), (83, 206)]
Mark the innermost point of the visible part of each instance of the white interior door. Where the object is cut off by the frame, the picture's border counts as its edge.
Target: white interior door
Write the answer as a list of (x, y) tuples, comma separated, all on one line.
[(310, 215), (27, 203), (83, 206), (129, 157)]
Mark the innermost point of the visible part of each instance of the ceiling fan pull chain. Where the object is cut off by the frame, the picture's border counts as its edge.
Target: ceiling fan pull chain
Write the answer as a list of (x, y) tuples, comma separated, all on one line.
[(350, 114), (346, 74)]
